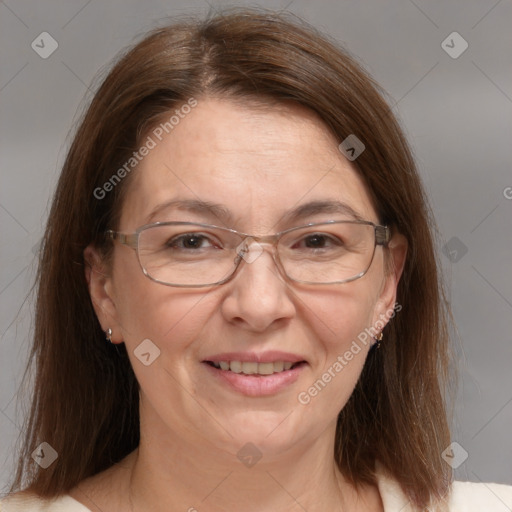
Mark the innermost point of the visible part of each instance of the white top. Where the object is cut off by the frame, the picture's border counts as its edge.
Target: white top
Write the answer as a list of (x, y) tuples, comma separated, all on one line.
[(465, 497)]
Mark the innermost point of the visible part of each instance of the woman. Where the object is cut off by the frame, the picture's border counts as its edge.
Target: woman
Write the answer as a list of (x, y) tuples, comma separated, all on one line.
[(240, 217)]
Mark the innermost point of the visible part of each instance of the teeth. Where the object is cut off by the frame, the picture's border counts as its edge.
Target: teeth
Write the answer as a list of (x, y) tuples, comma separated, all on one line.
[(278, 366), (254, 368), (250, 368), (265, 368), (235, 366)]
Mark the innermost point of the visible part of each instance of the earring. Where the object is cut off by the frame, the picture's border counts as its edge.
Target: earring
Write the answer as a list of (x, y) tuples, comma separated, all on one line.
[(378, 340), (108, 335)]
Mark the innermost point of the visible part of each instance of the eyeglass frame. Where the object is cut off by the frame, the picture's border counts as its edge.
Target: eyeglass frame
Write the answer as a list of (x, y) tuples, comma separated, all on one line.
[(382, 236)]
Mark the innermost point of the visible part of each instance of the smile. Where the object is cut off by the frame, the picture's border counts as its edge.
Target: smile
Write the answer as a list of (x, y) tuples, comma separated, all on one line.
[(254, 368), (254, 378)]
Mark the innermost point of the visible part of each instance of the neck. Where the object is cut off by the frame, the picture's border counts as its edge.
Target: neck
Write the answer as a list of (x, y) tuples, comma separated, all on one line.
[(172, 472)]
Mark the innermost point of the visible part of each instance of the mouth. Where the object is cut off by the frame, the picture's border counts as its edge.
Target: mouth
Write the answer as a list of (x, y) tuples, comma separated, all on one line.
[(255, 375), (255, 368)]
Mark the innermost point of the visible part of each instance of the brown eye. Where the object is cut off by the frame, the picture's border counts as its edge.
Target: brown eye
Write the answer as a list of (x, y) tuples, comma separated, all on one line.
[(315, 241), (190, 241), (318, 241)]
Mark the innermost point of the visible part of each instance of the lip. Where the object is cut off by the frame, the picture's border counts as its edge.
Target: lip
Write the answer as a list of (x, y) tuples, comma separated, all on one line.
[(269, 356), (256, 385)]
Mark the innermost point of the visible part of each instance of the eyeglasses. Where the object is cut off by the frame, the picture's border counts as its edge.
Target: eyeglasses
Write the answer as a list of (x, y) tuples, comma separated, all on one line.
[(188, 254)]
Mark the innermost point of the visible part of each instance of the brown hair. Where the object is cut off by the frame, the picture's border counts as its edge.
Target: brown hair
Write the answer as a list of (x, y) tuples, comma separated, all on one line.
[(86, 396)]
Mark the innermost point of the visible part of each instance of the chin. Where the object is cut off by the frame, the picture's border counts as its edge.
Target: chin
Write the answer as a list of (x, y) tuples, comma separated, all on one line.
[(270, 431)]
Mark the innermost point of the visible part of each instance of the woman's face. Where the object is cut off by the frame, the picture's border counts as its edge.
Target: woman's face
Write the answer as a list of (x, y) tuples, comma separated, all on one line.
[(258, 165)]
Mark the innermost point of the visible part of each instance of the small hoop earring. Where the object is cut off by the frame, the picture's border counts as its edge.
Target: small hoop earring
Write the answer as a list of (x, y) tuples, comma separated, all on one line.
[(378, 340), (108, 335)]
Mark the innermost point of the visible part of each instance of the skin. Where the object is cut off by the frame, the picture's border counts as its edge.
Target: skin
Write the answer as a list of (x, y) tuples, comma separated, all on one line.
[(259, 163)]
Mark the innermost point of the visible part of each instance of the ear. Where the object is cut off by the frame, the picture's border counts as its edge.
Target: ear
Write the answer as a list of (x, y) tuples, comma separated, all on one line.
[(394, 266), (100, 287)]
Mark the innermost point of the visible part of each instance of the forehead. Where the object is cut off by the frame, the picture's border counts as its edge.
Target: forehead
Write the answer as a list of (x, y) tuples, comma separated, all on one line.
[(257, 164)]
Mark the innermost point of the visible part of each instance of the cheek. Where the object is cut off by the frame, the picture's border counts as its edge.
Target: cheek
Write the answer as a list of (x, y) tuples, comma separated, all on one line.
[(342, 345), (170, 319), (339, 316), (150, 310)]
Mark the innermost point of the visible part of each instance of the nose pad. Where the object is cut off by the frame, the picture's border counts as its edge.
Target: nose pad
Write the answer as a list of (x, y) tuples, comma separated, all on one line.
[(249, 250)]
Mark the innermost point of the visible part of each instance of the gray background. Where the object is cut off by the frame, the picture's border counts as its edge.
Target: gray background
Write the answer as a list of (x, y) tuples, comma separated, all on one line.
[(456, 113)]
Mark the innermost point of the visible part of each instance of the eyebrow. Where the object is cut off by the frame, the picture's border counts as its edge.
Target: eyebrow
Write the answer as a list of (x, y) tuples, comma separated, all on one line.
[(320, 207), (218, 211), (197, 206)]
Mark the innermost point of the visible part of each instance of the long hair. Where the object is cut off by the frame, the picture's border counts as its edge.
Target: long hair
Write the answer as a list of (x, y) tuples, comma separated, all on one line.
[(85, 401)]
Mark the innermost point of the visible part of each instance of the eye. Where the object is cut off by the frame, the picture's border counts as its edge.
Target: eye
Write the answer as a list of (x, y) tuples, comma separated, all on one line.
[(190, 241), (318, 241)]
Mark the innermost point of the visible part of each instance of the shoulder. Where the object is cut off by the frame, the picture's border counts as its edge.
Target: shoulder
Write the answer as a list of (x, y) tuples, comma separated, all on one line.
[(469, 497), (25, 502), (463, 497)]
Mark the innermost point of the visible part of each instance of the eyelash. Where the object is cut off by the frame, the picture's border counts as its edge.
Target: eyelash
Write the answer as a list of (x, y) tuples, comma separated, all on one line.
[(326, 238)]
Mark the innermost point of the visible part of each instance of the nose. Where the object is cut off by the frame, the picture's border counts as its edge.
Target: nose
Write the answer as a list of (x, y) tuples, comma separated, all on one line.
[(258, 296)]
